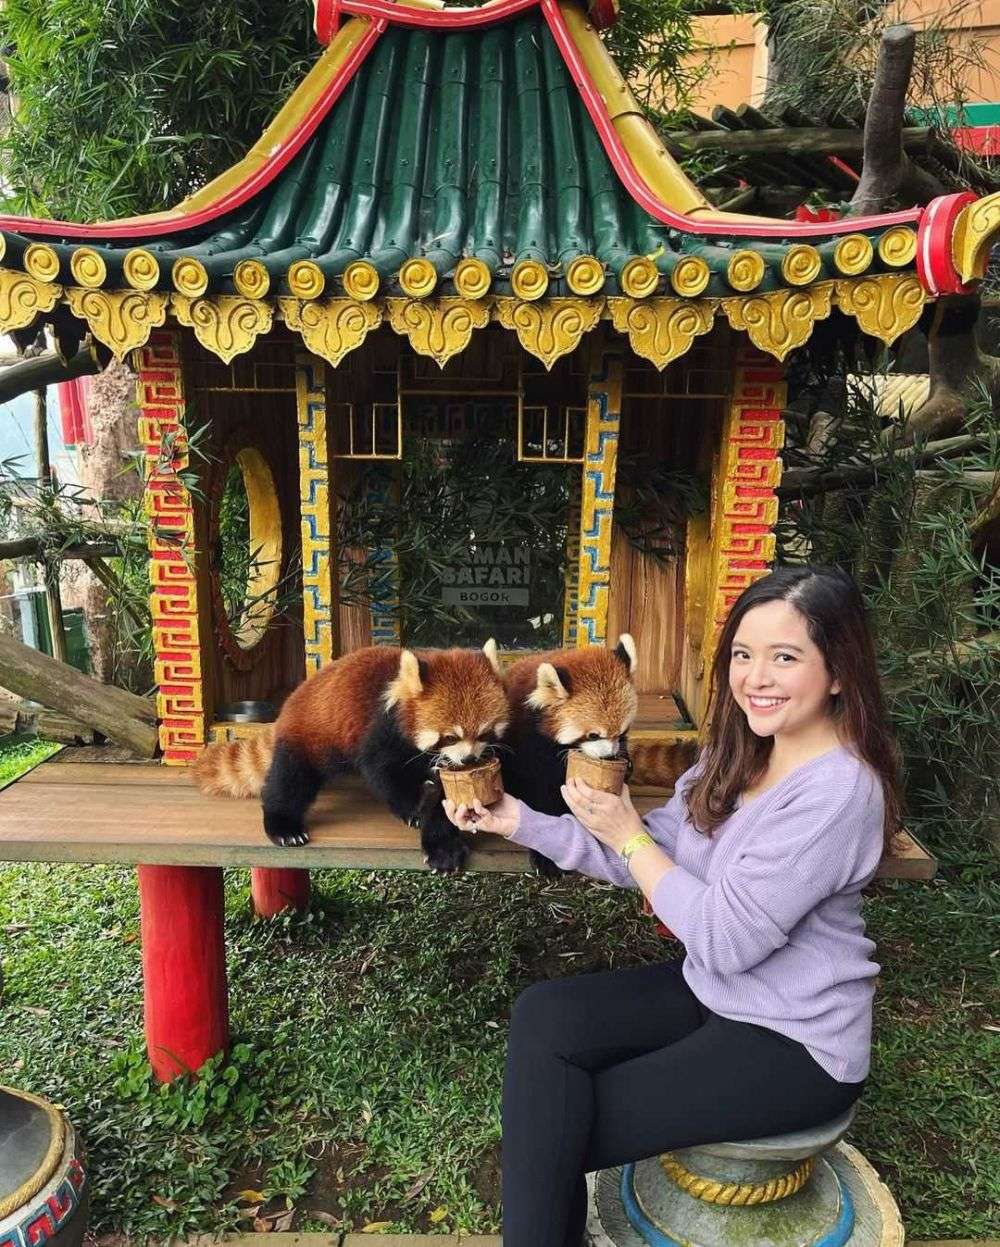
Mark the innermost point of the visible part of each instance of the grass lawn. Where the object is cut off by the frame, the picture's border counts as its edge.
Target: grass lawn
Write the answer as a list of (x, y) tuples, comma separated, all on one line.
[(364, 1084), (20, 753)]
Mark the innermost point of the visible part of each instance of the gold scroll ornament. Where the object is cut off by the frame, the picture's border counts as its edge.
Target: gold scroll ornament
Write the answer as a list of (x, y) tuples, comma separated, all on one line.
[(226, 324), (439, 328), (333, 328), (22, 298), (885, 305), (551, 329), (121, 319), (661, 330), (782, 320)]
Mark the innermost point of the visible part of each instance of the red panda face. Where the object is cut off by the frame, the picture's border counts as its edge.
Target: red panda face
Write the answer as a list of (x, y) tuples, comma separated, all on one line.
[(587, 697), (451, 703)]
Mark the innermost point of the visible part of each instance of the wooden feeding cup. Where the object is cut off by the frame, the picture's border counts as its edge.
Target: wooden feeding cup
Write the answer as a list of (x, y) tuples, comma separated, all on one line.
[(604, 774), (479, 781)]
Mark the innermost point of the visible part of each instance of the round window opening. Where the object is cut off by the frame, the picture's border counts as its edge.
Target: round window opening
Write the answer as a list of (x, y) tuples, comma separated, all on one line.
[(248, 547)]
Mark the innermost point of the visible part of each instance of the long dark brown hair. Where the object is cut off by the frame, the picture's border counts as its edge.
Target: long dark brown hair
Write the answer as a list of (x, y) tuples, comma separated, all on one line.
[(734, 758)]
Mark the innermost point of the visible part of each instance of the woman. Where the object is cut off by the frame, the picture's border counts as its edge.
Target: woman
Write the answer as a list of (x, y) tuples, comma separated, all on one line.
[(757, 864)]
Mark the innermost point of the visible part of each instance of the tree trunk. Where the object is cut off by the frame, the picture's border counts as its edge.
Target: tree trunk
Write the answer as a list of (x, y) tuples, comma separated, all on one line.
[(121, 716)]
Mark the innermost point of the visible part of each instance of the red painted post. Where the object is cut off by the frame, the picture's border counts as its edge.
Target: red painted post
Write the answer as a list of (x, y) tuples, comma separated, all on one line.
[(183, 966), (275, 889)]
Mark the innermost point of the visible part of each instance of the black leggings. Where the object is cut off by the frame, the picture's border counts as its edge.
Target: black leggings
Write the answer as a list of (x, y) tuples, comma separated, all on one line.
[(614, 1067)]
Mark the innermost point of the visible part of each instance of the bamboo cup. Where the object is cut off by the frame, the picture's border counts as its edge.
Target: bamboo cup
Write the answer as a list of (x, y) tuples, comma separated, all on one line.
[(480, 781), (604, 774)]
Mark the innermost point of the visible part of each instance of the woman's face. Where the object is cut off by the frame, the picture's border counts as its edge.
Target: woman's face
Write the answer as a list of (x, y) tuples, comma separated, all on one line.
[(777, 675)]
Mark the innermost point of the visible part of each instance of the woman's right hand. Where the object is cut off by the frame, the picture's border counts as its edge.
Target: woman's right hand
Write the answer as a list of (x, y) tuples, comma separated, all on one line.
[(502, 818)]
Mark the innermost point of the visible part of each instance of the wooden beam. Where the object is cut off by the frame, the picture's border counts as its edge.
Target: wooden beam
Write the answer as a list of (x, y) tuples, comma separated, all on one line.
[(120, 716), (817, 141)]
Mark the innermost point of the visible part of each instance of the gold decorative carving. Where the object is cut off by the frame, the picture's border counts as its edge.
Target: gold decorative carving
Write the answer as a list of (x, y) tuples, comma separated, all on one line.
[(305, 279), (690, 276), (781, 320), (972, 238), (884, 306), (472, 278), (898, 246), (22, 298), (801, 264), (661, 329), (41, 262), (88, 267), (3, 245), (529, 280), (853, 254), (746, 269), (227, 325), (551, 329), (440, 328), (190, 276), (736, 1194), (361, 280), (252, 279), (121, 319), (639, 277), (141, 269), (418, 277), (331, 329), (585, 275)]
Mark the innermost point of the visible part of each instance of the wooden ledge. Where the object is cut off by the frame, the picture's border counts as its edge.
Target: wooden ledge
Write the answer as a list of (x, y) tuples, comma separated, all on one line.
[(75, 811)]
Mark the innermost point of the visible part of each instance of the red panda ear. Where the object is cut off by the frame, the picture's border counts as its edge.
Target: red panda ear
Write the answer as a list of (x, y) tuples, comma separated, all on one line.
[(550, 689), (625, 652), (493, 654), (410, 681)]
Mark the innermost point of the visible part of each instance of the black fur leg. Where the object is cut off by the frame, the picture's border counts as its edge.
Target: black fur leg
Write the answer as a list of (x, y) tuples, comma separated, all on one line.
[(545, 867), (289, 790), (431, 796), (444, 847)]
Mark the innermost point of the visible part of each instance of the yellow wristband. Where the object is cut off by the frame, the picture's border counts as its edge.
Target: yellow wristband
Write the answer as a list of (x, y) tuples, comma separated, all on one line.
[(639, 841)]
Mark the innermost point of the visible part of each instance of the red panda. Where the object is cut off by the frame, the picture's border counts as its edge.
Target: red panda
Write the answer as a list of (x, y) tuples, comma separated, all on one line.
[(389, 714), (582, 698)]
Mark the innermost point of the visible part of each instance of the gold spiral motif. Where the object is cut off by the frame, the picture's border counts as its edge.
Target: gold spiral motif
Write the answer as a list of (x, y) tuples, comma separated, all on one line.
[(418, 277), (41, 262), (361, 280), (585, 275), (189, 276), (252, 279), (782, 320), (529, 280), (853, 254), (121, 319), (141, 269), (885, 305), (22, 298), (639, 277), (333, 328), (736, 1194), (439, 328), (227, 325), (746, 269), (472, 278), (690, 276), (306, 280), (88, 267), (551, 329), (801, 264), (661, 329), (898, 246)]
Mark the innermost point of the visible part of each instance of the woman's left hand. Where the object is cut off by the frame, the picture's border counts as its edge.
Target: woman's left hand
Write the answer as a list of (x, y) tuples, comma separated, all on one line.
[(613, 820)]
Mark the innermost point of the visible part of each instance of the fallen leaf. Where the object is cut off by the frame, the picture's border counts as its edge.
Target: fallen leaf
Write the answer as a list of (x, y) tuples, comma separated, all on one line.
[(164, 1202), (326, 1217), (39, 1013), (493, 1025), (248, 1214), (250, 1196), (375, 1227), (15, 928), (987, 1027), (438, 1215), (340, 1174), (419, 1185), (262, 1225), (283, 1221)]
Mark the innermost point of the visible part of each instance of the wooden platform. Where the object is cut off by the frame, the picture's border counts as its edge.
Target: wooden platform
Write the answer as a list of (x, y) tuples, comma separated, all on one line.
[(71, 811)]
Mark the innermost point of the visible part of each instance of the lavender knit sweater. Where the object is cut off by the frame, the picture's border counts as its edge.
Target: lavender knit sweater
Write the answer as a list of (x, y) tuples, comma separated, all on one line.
[(769, 908)]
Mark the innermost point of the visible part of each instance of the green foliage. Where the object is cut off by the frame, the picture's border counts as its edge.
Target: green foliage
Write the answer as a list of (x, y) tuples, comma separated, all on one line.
[(20, 754), (656, 47), (128, 105), (369, 1036), (908, 538)]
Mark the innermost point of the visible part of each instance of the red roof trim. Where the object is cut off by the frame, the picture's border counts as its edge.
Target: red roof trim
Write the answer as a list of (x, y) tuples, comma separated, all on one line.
[(144, 227), (644, 197), (436, 19)]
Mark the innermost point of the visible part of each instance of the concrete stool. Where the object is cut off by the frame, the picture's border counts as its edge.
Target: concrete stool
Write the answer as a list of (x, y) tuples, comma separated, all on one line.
[(791, 1190), (44, 1193)]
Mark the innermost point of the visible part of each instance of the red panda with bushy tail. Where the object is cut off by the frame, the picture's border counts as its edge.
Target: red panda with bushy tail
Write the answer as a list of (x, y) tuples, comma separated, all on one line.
[(391, 715)]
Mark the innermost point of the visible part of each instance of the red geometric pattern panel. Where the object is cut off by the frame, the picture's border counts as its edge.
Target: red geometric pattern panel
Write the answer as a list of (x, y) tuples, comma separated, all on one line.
[(173, 591), (747, 510)]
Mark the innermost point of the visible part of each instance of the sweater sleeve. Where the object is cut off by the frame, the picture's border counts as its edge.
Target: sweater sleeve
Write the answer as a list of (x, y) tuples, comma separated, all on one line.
[(570, 845), (817, 844)]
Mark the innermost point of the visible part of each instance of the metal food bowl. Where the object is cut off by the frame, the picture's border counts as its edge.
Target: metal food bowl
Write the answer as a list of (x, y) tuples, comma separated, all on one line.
[(247, 712)]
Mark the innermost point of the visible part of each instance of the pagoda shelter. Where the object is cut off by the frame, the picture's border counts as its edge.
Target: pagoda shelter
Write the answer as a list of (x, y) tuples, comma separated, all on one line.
[(460, 237)]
